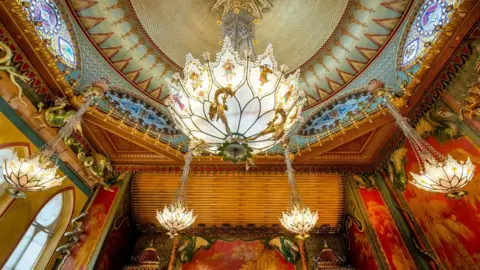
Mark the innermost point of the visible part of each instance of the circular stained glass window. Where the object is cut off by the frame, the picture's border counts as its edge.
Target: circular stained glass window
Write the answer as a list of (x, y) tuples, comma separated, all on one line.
[(432, 16), (430, 19), (51, 27)]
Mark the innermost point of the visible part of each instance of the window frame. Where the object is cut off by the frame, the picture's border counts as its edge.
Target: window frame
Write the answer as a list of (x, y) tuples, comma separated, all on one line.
[(64, 218)]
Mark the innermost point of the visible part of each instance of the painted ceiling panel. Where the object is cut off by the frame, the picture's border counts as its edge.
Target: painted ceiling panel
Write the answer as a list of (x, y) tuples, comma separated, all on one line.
[(343, 44)]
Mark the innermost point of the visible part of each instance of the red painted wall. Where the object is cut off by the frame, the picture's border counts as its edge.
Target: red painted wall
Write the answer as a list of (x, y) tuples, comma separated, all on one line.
[(392, 244), (360, 252), (93, 225), (452, 227)]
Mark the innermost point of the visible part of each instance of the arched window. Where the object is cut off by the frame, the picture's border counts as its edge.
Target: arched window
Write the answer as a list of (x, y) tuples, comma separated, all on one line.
[(34, 242)]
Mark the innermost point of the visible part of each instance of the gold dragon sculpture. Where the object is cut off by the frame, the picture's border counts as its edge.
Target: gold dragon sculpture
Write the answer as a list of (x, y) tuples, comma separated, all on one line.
[(218, 108), (274, 126)]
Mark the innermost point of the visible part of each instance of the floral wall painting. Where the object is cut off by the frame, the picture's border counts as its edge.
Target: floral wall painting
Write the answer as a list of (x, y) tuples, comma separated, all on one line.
[(451, 226), (92, 225), (361, 245), (238, 254), (397, 254)]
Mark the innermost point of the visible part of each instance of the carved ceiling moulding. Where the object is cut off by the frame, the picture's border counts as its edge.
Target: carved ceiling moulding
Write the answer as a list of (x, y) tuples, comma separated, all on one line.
[(217, 169)]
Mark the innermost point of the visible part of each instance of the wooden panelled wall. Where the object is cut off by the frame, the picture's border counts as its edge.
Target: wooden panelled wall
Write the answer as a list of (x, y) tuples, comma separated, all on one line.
[(239, 199)]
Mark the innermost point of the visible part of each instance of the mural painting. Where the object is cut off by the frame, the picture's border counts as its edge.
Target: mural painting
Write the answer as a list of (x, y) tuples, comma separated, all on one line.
[(387, 233), (361, 252), (93, 225), (238, 254), (451, 226), (117, 247)]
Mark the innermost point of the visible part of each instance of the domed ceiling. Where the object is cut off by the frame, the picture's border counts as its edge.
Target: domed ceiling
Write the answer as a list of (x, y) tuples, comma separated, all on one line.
[(191, 26), (332, 42)]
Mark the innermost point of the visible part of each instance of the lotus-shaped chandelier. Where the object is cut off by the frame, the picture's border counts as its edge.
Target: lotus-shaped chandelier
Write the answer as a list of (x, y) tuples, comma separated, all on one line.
[(176, 216), (236, 106), (437, 173), (39, 171)]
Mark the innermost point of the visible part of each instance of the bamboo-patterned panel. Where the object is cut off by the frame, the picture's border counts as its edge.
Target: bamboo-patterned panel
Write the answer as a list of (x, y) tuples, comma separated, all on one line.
[(239, 199)]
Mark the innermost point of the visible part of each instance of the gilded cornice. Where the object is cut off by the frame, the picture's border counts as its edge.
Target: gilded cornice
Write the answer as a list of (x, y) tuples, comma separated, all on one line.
[(374, 145), (133, 134), (102, 141)]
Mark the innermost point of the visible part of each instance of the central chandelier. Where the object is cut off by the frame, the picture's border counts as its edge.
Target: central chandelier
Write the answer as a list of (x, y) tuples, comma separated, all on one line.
[(39, 171), (437, 173), (236, 106)]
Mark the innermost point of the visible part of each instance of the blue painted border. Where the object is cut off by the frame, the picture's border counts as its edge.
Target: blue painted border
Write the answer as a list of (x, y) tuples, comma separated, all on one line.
[(39, 142)]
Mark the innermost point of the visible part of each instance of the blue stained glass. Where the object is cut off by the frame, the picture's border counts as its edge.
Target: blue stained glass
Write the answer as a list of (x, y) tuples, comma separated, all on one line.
[(432, 16), (50, 26)]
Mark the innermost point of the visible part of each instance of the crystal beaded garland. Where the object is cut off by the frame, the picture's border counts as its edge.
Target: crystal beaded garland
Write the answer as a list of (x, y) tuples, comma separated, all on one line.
[(33, 174), (299, 219), (175, 217), (235, 100)]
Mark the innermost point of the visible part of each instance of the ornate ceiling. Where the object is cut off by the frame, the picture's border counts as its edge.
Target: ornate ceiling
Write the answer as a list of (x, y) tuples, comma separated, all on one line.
[(146, 41), (339, 51)]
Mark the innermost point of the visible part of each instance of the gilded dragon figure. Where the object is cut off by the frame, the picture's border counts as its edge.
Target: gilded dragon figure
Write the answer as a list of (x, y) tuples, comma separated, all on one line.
[(5, 59), (99, 166), (218, 108), (56, 115), (274, 126)]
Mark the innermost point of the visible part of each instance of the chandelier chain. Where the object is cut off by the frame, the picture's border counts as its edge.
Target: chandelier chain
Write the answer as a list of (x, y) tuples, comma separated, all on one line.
[(424, 152), (181, 193), (295, 197)]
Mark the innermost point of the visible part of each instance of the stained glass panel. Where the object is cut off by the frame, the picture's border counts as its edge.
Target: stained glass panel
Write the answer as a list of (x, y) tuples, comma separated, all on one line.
[(52, 28), (430, 19)]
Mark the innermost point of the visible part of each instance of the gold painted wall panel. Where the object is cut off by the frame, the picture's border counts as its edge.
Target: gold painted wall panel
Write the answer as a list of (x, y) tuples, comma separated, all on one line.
[(239, 199), (17, 214)]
